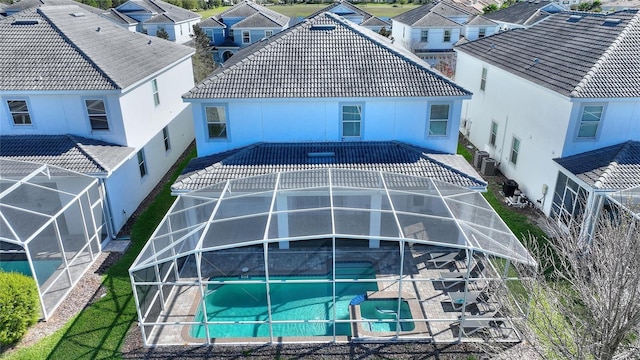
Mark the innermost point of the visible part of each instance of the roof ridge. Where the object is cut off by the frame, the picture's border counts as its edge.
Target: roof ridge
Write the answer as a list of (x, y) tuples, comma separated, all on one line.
[(635, 21), (86, 152), (73, 45), (418, 63)]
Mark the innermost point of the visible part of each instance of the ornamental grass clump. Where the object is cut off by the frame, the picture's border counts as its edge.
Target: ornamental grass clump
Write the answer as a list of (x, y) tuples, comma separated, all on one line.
[(19, 306)]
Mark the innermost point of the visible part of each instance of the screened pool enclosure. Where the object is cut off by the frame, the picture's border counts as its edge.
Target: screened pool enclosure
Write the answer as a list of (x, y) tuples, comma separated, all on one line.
[(330, 255), (51, 225)]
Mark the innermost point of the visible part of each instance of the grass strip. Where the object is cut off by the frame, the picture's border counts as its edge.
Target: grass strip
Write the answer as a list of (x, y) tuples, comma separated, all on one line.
[(99, 331), (304, 10)]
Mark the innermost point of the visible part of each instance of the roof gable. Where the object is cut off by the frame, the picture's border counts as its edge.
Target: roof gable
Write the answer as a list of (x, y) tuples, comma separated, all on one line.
[(257, 20), (342, 8), (423, 15), (614, 167), (591, 55), (63, 51), (333, 58), (248, 8), (522, 12)]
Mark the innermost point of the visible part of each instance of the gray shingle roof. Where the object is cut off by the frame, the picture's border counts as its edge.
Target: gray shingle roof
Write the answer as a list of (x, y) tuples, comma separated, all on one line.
[(343, 3), (614, 167), (578, 55), (67, 151), (416, 17), (324, 57), (257, 20), (519, 13), (119, 18), (375, 21), (480, 20), (265, 158), (170, 13), (247, 8), (212, 22), (65, 52)]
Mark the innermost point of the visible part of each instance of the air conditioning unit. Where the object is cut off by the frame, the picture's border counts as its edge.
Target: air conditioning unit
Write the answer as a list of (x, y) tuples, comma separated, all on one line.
[(477, 158), (488, 167)]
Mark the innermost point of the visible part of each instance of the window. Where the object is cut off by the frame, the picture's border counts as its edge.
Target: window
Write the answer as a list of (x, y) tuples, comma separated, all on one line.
[(216, 122), (19, 112), (142, 163), (424, 36), (246, 37), (351, 121), (156, 95), (97, 113), (589, 120), (165, 138), (483, 79), (494, 133), (268, 33), (438, 119), (447, 36), (482, 32), (515, 149), (569, 200)]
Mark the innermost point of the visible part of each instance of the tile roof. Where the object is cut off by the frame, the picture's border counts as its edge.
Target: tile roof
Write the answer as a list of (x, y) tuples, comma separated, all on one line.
[(416, 17), (591, 55), (247, 8), (67, 151), (265, 158), (62, 51), (522, 12), (257, 20), (172, 13), (119, 18), (614, 167), (332, 57), (343, 4)]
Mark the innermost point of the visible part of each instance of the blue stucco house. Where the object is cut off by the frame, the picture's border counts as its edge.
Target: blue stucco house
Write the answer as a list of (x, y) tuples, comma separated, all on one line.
[(240, 26)]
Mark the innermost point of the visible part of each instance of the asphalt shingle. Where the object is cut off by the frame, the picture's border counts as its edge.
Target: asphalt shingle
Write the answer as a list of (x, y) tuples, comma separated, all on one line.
[(248, 8), (523, 12), (582, 55), (324, 57), (417, 16), (265, 158), (67, 48), (67, 151)]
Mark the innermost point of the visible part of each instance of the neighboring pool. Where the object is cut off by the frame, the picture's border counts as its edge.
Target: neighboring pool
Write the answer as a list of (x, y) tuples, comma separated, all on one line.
[(383, 309), (44, 268), (289, 301)]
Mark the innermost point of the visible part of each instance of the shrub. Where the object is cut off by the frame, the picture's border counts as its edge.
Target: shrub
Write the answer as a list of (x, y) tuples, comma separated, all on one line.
[(19, 306)]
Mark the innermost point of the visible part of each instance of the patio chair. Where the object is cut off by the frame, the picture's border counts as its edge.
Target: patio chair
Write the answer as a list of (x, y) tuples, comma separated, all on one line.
[(478, 323), (456, 277), (442, 259), (458, 300)]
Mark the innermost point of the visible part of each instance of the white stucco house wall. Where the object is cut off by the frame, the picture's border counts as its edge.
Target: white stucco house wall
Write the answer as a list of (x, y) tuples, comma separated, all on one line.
[(537, 102), (353, 85), (116, 105), (431, 30)]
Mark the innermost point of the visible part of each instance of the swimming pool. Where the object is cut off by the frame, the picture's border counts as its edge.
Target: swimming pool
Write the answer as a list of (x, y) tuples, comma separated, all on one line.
[(44, 268), (299, 302), (385, 309)]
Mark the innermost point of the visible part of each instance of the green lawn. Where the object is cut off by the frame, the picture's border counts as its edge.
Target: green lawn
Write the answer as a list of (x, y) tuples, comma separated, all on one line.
[(99, 330), (304, 10)]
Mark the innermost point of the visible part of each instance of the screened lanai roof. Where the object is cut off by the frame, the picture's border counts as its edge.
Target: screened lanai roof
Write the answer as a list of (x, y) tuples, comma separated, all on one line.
[(325, 203), (32, 195), (628, 199)]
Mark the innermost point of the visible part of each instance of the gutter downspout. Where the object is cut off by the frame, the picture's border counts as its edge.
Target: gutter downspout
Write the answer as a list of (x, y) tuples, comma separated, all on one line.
[(108, 213)]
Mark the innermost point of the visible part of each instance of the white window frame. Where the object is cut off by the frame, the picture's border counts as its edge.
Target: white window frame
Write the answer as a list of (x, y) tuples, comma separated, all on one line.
[(142, 163), (483, 79), (246, 37), (493, 133), (424, 35), (446, 35), (166, 138), (432, 121), (514, 151), (224, 122), (344, 121), (155, 91), (583, 123), (97, 115), (12, 114), (482, 32), (268, 33)]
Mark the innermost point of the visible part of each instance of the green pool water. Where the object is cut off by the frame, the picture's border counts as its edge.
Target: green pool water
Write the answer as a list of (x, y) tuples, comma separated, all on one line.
[(385, 309), (289, 301)]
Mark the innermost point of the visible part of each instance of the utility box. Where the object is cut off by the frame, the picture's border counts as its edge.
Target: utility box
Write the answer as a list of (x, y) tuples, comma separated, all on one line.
[(477, 158), (488, 167)]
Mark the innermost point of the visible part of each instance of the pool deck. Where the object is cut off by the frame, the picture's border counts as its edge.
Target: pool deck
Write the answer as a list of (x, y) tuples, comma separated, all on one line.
[(433, 314)]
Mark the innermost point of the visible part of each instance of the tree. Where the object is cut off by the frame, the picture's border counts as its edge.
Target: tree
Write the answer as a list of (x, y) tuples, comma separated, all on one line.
[(189, 4), (202, 60), (594, 6), (162, 34), (490, 8), (587, 303), (384, 32)]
